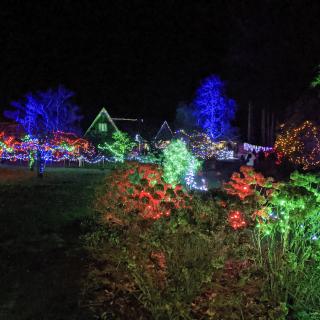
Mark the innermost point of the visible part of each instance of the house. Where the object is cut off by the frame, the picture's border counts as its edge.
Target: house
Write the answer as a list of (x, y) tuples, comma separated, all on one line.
[(164, 136), (101, 129)]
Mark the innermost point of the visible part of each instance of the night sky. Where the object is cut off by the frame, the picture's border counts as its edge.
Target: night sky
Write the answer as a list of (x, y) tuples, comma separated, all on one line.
[(142, 58)]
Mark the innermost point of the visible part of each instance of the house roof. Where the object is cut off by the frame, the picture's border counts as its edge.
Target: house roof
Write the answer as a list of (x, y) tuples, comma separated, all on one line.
[(164, 132), (103, 111), (131, 126)]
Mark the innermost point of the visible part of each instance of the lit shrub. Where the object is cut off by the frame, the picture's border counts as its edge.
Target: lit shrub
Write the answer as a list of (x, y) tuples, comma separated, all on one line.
[(139, 190), (290, 242), (252, 193)]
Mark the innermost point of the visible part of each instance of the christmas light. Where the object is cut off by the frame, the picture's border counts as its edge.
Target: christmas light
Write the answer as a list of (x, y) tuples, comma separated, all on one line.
[(301, 145), (203, 147), (176, 162), (120, 146), (252, 147), (214, 110), (61, 146), (236, 220), (242, 185), (140, 189), (190, 176)]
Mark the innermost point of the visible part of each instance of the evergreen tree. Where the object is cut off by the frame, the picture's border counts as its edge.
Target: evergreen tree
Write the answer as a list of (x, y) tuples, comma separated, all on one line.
[(213, 109), (176, 162)]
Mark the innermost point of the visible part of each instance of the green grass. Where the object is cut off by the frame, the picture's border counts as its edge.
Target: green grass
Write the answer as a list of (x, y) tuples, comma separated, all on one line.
[(30, 206), (42, 262)]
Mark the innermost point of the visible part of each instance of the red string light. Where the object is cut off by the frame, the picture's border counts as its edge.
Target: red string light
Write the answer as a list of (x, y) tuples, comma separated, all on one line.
[(236, 220), (140, 189)]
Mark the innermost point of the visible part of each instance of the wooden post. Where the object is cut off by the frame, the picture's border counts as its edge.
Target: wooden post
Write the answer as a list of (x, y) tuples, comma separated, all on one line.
[(263, 126), (272, 128)]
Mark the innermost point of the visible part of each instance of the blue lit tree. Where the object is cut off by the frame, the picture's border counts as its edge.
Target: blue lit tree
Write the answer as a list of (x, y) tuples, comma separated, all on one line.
[(43, 113), (213, 109)]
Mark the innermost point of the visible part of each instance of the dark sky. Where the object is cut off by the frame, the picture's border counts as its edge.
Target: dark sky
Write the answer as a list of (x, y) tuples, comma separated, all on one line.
[(141, 58)]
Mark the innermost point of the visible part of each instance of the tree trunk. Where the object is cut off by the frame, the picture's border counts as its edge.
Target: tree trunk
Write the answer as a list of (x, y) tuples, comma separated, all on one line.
[(40, 164), (267, 128), (272, 129), (263, 127), (249, 123)]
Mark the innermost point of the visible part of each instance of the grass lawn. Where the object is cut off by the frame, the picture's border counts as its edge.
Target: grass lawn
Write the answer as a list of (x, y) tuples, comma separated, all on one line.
[(42, 261)]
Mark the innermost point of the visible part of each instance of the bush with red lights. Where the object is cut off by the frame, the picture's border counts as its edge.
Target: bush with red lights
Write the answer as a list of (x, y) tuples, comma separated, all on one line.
[(138, 189), (236, 219), (7, 144), (246, 182), (68, 144), (253, 190)]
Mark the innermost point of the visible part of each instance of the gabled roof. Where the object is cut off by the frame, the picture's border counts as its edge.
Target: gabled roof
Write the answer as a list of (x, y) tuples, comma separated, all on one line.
[(164, 132), (139, 138), (130, 126), (105, 112)]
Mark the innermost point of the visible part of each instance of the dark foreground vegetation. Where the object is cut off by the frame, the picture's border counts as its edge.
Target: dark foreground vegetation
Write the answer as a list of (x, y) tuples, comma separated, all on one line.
[(93, 244)]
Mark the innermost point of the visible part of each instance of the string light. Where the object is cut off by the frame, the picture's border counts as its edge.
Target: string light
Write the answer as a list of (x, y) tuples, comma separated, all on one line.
[(253, 147), (213, 109), (301, 145), (60, 147), (236, 220), (176, 162), (190, 177), (120, 146), (203, 147), (140, 189)]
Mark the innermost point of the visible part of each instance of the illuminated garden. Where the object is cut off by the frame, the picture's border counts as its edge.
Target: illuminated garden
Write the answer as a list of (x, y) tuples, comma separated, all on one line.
[(155, 229), (160, 160)]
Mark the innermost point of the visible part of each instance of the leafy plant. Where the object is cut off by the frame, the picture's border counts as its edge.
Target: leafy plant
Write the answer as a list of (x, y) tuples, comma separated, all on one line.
[(96, 233), (252, 192), (176, 162), (138, 190), (290, 244), (120, 146), (189, 259)]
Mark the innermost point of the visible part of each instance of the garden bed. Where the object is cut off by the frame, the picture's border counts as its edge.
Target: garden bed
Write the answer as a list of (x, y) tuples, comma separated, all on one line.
[(80, 244)]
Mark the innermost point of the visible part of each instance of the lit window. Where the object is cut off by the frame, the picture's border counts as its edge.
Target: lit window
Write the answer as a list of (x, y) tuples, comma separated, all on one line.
[(102, 127)]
